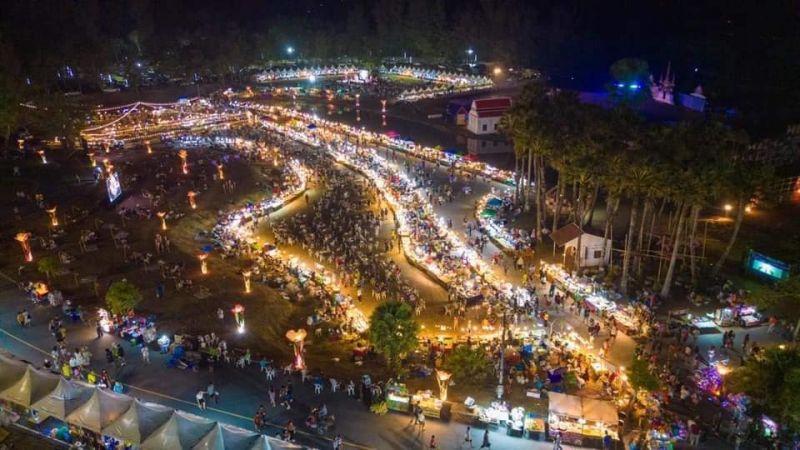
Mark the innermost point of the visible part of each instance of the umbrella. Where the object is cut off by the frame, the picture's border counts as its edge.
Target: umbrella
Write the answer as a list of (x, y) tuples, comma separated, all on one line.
[(488, 213)]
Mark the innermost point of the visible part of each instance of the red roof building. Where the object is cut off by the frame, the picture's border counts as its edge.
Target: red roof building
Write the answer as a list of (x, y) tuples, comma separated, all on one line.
[(484, 116)]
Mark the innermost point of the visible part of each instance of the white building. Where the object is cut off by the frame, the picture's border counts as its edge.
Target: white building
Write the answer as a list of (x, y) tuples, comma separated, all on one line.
[(484, 115), (591, 251)]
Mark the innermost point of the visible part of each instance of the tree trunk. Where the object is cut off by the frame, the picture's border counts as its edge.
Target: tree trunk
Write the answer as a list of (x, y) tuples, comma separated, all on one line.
[(692, 235), (578, 212), (737, 224), (592, 203), (611, 211), (527, 205), (518, 177), (626, 258), (560, 187), (537, 190), (653, 222), (540, 189), (637, 260), (675, 249)]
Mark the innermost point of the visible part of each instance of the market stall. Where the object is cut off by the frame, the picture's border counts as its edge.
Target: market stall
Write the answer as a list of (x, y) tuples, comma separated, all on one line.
[(431, 405), (738, 315), (581, 420)]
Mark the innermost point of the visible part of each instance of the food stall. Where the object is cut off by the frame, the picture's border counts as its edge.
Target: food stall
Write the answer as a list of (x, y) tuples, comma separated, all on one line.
[(398, 398), (496, 413), (738, 315), (534, 426), (431, 405), (516, 422), (580, 420)]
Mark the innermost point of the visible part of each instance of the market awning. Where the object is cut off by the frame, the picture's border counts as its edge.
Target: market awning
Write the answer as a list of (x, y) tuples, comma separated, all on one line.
[(600, 411), (139, 422), (566, 405), (494, 202), (488, 213), (11, 371), (181, 431), (65, 398), (32, 387), (101, 410)]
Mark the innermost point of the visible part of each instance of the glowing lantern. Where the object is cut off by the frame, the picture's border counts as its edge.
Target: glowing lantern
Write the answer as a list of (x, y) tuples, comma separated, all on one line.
[(43, 156), (203, 265), (191, 195), (163, 216), (358, 100), (92, 159), (246, 276), (184, 166), (149, 148), (238, 315), (53, 217), (296, 337), (24, 240), (383, 106), (443, 378), (220, 171), (106, 147)]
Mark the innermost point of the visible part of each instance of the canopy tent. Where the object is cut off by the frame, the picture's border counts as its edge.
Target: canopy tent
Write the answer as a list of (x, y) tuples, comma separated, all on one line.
[(181, 431), (565, 405), (494, 202), (32, 387), (11, 371), (138, 422), (64, 399), (600, 411), (103, 408), (212, 440)]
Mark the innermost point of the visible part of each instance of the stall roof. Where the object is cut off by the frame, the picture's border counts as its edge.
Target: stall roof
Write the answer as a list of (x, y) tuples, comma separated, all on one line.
[(139, 422), (11, 370), (568, 405), (32, 387), (600, 411), (101, 410), (65, 398), (181, 431)]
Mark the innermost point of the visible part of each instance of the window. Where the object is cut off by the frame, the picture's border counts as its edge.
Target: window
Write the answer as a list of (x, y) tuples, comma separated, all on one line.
[(598, 254), (495, 127), (483, 143), (484, 127)]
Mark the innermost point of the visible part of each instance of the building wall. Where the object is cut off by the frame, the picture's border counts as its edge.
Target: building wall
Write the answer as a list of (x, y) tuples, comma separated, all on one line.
[(477, 146), (485, 125)]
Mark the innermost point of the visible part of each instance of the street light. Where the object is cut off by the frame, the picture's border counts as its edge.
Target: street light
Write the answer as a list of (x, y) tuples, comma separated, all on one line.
[(53, 217), (290, 50), (728, 208), (203, 265), (497, 71), (163, 216), (246, 276), (191, 195)]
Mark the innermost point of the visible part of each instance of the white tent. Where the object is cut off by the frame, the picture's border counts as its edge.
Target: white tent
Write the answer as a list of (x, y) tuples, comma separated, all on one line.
[(11, 371), (32, 387), (181, 431), (600, 411), (65, 398), (565, 405), (102, 408), (138, 422)]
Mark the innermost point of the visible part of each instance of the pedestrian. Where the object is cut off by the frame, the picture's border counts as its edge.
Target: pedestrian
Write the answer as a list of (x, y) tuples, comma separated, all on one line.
[(212, 392), (432, 445), (99, 330), (486, 443), (146, 354), (272, 395), (468, 436), (201, 399), (258, 421), (337, 442), (220, 314), (421, 421), (607, 442)]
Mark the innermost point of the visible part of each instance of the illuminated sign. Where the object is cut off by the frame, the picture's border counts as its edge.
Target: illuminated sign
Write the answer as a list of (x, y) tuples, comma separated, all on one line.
[(765, 267)]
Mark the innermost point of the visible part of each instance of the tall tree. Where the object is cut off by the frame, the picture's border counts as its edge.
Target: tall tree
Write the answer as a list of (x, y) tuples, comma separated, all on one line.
[(393, 331)]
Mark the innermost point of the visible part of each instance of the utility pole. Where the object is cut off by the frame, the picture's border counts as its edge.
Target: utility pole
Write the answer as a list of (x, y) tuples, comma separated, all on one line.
[(501, 374)]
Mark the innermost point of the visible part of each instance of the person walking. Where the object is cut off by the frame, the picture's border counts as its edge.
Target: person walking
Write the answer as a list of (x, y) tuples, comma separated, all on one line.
[(272, 395), (468, 436), (433, 445), (145, 354), (99, 330), (486, 443), (201, 399), (337, 442), (212, 392)]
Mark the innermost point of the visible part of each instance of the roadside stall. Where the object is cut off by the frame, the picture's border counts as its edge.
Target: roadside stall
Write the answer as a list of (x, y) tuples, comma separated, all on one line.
[(431, 405), (398, 398), (738, 315), (534, 426), (581, 420), (497, 413)]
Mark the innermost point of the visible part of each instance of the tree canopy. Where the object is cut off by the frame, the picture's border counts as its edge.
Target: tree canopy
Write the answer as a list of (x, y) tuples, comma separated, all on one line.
[(393, 331), (48, 265), (772, 382), (468, 365), (122, 296)]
